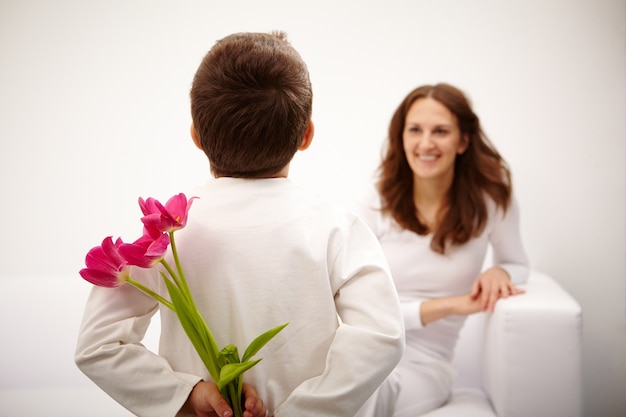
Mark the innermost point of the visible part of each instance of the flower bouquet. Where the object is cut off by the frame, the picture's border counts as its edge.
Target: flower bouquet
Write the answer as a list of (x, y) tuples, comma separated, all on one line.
[(109, 265)]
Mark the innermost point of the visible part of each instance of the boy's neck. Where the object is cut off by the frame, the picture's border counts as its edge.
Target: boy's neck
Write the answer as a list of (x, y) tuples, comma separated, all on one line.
[(283, 173)]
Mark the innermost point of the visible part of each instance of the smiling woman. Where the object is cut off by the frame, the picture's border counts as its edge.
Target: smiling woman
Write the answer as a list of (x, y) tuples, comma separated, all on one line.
[(432, 139), (444, 197)]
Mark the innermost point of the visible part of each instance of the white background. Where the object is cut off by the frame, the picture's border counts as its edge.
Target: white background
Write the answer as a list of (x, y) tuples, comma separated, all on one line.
[(94, 112)]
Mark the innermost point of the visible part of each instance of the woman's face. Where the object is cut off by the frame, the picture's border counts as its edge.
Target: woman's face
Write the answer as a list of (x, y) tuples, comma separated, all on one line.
[(432, 140)]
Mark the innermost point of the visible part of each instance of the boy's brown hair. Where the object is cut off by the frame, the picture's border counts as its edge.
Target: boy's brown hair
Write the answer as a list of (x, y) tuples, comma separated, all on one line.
[(251, 104)]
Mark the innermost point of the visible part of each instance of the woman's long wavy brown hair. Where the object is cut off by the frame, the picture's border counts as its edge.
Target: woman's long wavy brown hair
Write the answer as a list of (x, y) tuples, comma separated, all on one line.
[(478, 172)]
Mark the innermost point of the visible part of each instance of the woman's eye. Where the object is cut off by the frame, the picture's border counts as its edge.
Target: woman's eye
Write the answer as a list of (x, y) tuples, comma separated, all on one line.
[(441, 131), (414, 129)]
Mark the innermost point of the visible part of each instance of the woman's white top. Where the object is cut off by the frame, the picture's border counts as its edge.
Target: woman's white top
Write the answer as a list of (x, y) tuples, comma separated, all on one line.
[(422, 274)]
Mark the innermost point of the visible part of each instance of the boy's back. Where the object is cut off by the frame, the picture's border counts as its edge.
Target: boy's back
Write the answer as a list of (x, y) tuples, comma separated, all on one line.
[(262, 253), (257, 252)]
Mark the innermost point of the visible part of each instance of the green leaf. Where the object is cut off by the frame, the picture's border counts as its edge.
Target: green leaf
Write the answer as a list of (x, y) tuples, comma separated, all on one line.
[(258, 343), (231, 371), (199, 336), (228, 354)]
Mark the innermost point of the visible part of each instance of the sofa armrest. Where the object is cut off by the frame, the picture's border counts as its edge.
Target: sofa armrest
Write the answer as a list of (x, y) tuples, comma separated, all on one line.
[(532, 354)]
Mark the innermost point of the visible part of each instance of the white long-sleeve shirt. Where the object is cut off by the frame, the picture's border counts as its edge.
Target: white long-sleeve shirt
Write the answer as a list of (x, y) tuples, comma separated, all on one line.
[(421, 274), (256, 254)]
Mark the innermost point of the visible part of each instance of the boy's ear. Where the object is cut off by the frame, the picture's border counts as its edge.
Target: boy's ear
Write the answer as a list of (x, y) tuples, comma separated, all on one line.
[(308, 137), (195, 136)]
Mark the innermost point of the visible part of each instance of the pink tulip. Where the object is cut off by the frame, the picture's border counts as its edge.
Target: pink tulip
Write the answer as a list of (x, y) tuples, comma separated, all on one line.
[(168, 218), (105, 265), (146, 251)]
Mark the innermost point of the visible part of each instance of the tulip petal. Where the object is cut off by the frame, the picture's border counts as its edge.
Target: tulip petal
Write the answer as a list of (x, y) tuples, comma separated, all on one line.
[(135, 255), (101, 278), (111, 250), (145, 252), (166, 218), (96, 259), (158, 247), (147, 206), (105, 266), (176, 206)]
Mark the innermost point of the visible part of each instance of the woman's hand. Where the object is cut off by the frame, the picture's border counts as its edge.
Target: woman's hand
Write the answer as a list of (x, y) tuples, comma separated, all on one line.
[(492, 285), (488, 288), (206, 400)]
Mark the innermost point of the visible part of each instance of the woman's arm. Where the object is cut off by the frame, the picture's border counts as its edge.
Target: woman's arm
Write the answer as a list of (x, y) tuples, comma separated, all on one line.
[(506, 243), (439, 308), (509, 258)]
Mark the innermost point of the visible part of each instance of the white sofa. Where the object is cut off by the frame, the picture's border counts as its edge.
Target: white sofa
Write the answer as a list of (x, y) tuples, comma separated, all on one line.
[(522, 361)]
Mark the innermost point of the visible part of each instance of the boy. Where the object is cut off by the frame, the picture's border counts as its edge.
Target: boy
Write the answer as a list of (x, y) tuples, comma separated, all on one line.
[(257, 251)]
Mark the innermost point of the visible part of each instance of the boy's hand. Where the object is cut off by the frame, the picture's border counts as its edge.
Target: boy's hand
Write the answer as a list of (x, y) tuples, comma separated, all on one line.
[(254, 406), (206, 400)]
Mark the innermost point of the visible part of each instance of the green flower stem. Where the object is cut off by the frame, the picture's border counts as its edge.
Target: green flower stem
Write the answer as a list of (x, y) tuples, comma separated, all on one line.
[(185, 307), (188, 317), (234, 399), (149, 292), (171, 272), (240, 390), (179, 267), (200, 324)]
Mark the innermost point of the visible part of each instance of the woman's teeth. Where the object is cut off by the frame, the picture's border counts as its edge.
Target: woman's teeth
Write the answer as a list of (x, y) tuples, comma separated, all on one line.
[(427, 158)]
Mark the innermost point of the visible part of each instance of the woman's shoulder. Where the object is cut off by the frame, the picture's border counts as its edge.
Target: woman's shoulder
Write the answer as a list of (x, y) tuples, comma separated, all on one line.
[(498, 212), (368, 205)]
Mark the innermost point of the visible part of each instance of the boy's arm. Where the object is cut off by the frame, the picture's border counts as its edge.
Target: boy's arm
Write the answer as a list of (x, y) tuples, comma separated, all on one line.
[(110, 354), (369, 341)]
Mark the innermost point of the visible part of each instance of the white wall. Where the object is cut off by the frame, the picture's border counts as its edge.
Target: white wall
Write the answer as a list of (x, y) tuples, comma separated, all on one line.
[(94, 113)]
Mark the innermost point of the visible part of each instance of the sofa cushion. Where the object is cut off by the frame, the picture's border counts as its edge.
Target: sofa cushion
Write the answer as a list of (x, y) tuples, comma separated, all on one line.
[(465, 402)]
